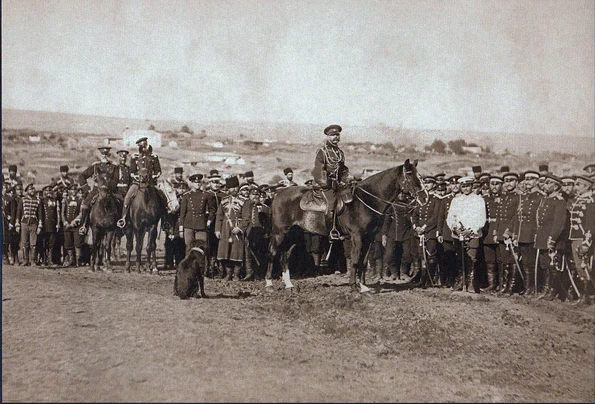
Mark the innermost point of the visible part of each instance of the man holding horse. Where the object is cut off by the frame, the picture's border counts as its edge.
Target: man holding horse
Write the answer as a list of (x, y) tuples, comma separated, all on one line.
[(145, 159), (104, 169)]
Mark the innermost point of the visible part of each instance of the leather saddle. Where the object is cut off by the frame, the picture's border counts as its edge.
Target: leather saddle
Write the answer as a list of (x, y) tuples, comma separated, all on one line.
[(319, 200)]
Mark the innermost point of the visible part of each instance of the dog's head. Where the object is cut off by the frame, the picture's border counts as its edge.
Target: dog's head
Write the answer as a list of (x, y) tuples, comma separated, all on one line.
[(197, 247)]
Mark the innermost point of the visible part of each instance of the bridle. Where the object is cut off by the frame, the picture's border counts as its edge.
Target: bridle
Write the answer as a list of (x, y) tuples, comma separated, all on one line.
[(407, 184)]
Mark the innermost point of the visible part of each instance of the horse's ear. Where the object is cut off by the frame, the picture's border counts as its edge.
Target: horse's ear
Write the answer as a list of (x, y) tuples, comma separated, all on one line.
[(407, 165), (415, 163)]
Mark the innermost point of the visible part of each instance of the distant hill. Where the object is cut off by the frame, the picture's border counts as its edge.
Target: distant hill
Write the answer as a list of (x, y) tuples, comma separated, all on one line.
[(297, 133)]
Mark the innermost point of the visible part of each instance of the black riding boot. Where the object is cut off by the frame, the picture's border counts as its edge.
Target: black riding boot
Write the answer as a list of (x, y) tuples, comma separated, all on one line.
[(472, 280), (492, 277), (553, 285), (546, 284), (79, 257), (26, 257), (514, 278), (585, 299), (529, 281)]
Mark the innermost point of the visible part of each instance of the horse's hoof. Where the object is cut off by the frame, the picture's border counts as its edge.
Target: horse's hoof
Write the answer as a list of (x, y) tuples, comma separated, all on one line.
[(269, 289), (155, 271)]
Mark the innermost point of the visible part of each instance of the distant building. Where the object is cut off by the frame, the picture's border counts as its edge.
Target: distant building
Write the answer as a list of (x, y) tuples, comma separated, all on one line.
[(472, 149), (130, 136)]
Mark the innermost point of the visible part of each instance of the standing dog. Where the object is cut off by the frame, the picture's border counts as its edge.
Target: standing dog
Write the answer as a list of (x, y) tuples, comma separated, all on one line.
[(190, 274)]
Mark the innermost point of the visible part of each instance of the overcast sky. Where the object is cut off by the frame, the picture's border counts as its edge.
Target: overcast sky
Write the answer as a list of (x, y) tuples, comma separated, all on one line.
[(509, 66)]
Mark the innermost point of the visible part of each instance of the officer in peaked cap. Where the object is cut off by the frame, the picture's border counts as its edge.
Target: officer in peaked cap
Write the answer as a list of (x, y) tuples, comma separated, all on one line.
[(429, 182), (196, 178), (104, 150), (197, 211), (440, 177), (142, 139), (332, 130)]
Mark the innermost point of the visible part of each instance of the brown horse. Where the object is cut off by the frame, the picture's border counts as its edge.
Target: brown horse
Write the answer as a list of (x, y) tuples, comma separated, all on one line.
[(146, 209), (360, 220), (103, 217)]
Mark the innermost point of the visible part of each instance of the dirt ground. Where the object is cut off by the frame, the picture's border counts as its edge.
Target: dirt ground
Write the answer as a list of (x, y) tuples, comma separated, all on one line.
[(70, 335)]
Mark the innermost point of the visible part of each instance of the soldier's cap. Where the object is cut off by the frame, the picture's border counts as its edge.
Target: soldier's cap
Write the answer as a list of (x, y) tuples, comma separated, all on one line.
[(510, 174), (465, 180), (567, 180), (214, 175), (245, 186), (583, 178), (484, 177), (104, 149), (476, 169), (454, 179), (428, 179), (232, 182), (332, 130), (196, 178), (588, 167), (287, 171), (249, 174), (63, 169), (12, 168), (530, 174), (123, 152), (495, 179), (30, 186), (47, 187), (254, 191), (440, 175), (142, 139), (543, 168), (478, 184), (441, 186), (552, 177), (504, 169), (178, 170)]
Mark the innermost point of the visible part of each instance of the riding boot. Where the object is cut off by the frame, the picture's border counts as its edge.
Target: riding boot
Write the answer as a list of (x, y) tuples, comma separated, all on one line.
[(492, 277), (249, 270), (546, 284), (472, 279), (32, 255), (379, 268), (79, 255), (458, 286), (553, 285), (514, 280), (415, 273), (26, 257), (529, 282), (502, 278), (405, 270), (229, 271), (585, 299)]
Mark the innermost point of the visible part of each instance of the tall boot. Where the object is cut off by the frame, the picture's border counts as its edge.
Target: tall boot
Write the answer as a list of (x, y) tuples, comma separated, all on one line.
[(236, 271), (32, 256), (552, 285), (229, 271), (529, 282), (492, 272), (26, 257), (546, 284), (458, 286), (514, 279), (405, 270), (379, 268), (503, 278), (585, 299), (415, 272), (472, 279), (79, 257)]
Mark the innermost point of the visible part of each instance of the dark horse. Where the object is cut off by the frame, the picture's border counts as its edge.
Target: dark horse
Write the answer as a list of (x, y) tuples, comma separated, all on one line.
[(360, 220), (103, 217), (146, 209)]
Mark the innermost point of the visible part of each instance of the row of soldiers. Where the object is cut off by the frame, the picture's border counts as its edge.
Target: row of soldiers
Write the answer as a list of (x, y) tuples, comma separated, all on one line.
[(528, 233)]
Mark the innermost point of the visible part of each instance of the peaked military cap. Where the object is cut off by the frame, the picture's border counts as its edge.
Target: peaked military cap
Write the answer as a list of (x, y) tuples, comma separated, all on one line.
[(332, 130), (47, 187), (63, 169), (530, 174), (104, 149), (510, 174), (123, 152), (465, 180), (12, 167), (178, 170), (232, 182), (484, 177), (583, 178), (454, 179), (245, 186), (552, 177), (30, 186), (567, 180), (496, 178), (476, 169), (196, 178), (440, 176), (214, 174), (142, 139), (429, 179), (287, 171)]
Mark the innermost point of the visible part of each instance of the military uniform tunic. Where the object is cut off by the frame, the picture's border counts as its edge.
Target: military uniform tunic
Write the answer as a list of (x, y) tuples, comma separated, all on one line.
[(329, 165), (229, 215), (552, 223), (196, 209)]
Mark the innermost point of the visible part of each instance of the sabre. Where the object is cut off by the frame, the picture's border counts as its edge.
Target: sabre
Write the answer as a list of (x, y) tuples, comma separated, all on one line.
[(510, 247), (536, 264), (422, 243), (570, 276)]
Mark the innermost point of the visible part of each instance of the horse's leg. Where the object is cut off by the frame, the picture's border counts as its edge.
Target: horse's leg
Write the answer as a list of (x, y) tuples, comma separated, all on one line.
[(140, 237), (152, 248), (361, 267), (357, 242), (97, 261), (274, 244), (109, 238)]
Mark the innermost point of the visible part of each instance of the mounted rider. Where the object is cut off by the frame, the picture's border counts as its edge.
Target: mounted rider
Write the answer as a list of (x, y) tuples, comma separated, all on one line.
[(145, 159), (330, 172), (104, 169)]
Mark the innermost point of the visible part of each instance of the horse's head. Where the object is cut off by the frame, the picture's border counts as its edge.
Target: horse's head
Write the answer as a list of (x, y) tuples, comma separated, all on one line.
[(101, 184), (143, 176), (412, 183)]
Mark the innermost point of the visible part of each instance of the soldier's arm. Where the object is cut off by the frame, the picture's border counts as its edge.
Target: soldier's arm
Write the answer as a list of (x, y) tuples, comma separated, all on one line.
[(63, 212), (156, 167), (211, 207), (87, 173), (40, 215), (219, 219), (133, 167), (319, 172), (183, 209)]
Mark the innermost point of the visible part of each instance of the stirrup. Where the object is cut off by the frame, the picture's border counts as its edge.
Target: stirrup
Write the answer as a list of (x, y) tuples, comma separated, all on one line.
[(82, 230), (334, 235), (121, 223)]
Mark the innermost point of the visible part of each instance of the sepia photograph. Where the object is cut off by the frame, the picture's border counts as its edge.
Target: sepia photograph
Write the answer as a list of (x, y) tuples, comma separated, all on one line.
[(298, 201)]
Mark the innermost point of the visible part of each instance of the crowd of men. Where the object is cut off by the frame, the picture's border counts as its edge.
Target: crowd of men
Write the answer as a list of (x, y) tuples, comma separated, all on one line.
[(527, 233)]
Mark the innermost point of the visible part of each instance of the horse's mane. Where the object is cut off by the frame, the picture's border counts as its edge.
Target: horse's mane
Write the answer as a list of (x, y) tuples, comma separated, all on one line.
[(374, 177)]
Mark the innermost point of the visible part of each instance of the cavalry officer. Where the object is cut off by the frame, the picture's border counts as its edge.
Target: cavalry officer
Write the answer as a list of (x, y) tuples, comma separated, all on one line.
[(230, 229), (258, 226), (552, 232), (509, 273), (71, 206), (582, 229), (215, 193), (525, 228), (124, 177), (424, 221), (397, 239), (52, 222), (29, 223), (493, 203), (197, 211), (466, 218), (104, 169), (145, 159)]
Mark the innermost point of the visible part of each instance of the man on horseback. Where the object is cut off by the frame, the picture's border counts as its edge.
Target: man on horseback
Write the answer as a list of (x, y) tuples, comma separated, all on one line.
[(145, 159), (330, 172), (103, 168)]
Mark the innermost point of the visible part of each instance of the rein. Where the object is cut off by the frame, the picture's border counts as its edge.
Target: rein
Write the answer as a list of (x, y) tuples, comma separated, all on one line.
[(392, 203)]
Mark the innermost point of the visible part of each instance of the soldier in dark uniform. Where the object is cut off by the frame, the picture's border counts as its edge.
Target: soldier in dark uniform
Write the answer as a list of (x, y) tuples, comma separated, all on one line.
[(582, 229), (490, 243), (215, 193), (397, 238), (197, 211), (124, 177), (147, 160), (29, 223), (9, 213), (249, 178), (103, 168), (425, 226), (509, 275), (447, 252), (73, 241), (257, 230), (15, 234), (51, 225), (525, 227), (552, 232), (567, 190)]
